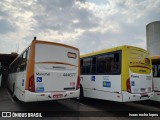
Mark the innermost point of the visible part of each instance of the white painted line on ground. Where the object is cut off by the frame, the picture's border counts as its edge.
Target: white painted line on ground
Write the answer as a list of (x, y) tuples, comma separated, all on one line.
[(10, 97)]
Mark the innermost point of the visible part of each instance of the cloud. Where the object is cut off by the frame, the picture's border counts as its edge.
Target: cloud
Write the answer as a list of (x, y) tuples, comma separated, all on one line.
[(5, 26), (87, 24)]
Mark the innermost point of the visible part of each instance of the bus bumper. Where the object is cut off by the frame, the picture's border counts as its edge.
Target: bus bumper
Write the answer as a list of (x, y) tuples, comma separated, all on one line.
[(47, 96), (128, 97)]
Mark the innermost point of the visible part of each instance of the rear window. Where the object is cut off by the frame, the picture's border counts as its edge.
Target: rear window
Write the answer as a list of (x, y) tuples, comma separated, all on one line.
[(137, 57), (72, 55), (54, 53), (156, 69)]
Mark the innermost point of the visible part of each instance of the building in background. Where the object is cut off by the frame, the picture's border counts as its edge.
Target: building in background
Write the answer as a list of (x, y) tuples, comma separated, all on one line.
[(5, 61), (153, 46), (153, 38)]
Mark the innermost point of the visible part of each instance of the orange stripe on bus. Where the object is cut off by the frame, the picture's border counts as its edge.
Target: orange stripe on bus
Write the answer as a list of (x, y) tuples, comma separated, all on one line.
[(31, 62), (57, 44), (55, 63)]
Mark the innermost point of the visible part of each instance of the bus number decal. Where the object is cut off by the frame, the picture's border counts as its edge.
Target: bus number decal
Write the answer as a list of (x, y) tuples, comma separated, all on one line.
[(69, 74), (106, 84), (40, 89)]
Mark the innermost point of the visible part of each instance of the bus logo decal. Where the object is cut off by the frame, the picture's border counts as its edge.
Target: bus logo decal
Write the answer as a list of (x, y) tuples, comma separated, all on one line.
[(93, 78), (22, 82), (106, 84), (39, 79), (40, 89)]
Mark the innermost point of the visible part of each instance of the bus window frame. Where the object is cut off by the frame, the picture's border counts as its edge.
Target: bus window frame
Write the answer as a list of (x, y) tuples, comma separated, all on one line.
[(157, 64), (15, 66), (96, 56)]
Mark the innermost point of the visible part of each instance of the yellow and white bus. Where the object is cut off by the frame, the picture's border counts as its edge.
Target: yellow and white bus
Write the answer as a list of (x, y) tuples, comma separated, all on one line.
[(120, 74), (156, 77), (45, 71)]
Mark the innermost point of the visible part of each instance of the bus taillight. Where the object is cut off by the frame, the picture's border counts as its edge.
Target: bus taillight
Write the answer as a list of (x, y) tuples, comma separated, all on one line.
[(78, 83), (31, 84), (128, 85)]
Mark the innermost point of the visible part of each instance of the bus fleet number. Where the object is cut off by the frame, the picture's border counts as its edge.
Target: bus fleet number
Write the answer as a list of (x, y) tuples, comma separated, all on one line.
[(69, 74)]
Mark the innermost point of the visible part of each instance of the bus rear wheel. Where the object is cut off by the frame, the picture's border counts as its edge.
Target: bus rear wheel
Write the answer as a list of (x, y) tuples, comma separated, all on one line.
[(81, 95)]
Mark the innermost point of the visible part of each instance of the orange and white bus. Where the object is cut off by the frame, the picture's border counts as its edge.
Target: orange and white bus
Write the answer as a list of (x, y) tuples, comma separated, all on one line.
[(120, 74), (45, 71), (156, 77)]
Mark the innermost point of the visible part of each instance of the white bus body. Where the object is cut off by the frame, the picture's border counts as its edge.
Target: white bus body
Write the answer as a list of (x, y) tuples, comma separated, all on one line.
[(120, 74), (156, 77), (51, 73)]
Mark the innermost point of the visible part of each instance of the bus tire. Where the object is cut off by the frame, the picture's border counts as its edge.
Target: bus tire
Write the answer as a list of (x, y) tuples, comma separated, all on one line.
[(81, 95)]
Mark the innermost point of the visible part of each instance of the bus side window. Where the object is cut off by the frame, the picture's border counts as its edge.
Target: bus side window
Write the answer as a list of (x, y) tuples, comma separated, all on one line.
[(154, 67), (19, 64), (108, 63), (82, 68), (23, 61), (25, 56), (158, 73), (86, 67), (0, 70), (93, 66), (102, 64), (115, 64)]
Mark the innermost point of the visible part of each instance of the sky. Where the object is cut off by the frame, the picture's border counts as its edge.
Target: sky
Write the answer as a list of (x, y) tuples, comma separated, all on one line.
[(89, 25)]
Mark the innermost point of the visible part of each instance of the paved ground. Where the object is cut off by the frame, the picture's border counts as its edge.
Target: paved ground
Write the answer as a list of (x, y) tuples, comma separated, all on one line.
[(73, 109)]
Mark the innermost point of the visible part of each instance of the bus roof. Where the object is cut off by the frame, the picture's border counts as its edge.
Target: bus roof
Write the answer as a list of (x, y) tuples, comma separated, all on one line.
[(110, 50), (157, 57), (45, 42), (54, 43)]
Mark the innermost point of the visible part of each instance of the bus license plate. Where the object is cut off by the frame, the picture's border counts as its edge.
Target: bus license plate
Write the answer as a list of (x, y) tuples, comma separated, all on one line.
[(144, 95), (57, 95)]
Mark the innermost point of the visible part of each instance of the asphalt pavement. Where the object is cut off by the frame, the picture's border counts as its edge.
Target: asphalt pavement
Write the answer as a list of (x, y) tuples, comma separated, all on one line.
[(74, 109)]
